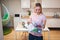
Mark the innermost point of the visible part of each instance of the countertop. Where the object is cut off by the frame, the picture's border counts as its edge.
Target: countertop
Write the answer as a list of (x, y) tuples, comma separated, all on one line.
[(48, 17)]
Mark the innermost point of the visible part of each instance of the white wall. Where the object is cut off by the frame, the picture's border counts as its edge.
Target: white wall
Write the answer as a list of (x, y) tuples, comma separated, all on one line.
[(1, 30), (12, 5)]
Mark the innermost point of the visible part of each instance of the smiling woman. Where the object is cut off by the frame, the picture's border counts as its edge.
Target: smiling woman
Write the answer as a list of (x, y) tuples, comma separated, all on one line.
[(37, 22)]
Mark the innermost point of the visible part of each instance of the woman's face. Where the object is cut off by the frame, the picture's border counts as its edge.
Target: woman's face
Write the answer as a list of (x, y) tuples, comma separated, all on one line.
[(37, 10)]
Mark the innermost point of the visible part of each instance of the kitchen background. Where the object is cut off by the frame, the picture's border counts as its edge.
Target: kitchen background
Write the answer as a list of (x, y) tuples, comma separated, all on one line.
[(51, 9)]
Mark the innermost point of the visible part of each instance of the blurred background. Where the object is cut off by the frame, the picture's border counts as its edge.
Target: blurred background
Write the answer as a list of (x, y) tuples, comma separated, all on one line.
[(12, 11)]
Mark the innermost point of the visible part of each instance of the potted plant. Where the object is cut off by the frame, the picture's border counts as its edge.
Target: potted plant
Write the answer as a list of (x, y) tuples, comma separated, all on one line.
[(29, 12)]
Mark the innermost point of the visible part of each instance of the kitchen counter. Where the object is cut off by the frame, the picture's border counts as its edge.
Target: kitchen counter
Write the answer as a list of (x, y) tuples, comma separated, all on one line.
[(48, 17), (53, 23)]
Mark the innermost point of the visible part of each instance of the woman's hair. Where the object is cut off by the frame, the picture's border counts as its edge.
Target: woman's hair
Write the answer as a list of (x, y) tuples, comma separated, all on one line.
[(38, 5)]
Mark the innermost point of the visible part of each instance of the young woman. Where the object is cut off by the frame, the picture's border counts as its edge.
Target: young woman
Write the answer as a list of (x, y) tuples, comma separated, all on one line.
[(39, 20)]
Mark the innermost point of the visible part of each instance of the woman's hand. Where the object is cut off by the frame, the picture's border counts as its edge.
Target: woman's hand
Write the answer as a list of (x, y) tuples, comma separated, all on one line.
[(28, 23), (39, 26)]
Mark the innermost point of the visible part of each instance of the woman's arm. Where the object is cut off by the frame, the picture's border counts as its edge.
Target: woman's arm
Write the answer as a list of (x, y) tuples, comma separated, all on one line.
[(44, 23)]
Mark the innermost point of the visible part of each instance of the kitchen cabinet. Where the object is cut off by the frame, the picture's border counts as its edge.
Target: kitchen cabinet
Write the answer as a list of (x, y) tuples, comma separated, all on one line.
[(35, 1), (53, 23), (25, 3), (50, 3)]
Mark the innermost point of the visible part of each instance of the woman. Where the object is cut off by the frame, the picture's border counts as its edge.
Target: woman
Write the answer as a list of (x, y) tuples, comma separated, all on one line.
[(38, 19)]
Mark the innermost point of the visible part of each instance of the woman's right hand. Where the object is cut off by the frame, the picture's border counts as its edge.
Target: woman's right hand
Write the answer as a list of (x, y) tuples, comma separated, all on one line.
[(28, 23)]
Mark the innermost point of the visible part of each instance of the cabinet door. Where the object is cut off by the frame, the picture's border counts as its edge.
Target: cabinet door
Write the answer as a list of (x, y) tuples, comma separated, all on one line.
[(53, 23), (25, 3), (51, 3)]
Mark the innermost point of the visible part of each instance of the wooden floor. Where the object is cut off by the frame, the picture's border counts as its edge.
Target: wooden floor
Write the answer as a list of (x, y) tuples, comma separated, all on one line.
[(54, 35)]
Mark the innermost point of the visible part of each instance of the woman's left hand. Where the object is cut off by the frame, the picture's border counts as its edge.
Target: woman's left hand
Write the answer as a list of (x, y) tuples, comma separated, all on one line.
[(39, 26)]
